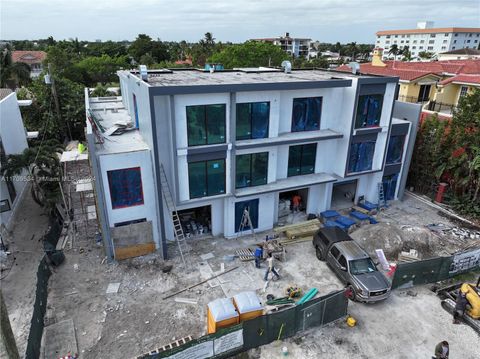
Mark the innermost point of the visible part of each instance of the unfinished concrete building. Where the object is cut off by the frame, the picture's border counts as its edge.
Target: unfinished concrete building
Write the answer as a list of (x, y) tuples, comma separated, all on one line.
[(220, 142)]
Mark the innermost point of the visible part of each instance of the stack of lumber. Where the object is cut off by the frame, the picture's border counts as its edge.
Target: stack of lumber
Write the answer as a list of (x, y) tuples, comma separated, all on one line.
[(299, 230)]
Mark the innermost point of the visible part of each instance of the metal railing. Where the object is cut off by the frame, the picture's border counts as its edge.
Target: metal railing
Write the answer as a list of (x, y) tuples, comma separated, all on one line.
[(412, 99), (441, 107)]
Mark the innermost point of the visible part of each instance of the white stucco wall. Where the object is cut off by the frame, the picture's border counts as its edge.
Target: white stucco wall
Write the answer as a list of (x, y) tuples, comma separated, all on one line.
[(14, 141), (148, 208)]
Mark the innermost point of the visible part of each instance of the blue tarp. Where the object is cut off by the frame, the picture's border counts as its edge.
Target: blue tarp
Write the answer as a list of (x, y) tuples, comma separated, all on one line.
[(329, 214), (359, 215), (335, 224), (345, 221)]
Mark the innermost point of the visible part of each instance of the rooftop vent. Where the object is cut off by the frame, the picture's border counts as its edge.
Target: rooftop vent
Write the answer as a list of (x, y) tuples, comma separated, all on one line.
[(355, 66), (287, 66), (143, 72)]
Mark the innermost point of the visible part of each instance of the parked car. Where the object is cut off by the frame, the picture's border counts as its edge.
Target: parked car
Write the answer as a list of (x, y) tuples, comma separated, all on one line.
[(351, 264)]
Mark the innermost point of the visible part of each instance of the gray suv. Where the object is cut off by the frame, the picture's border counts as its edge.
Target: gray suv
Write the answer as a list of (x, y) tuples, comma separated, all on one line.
[(351, 264)]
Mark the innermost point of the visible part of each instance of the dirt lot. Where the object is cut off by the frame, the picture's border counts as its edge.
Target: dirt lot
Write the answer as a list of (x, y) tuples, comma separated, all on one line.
[(137, 319), (19, 277)]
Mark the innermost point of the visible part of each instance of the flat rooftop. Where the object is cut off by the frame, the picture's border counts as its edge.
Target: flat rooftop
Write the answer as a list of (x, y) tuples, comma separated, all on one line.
[(109, 113), (245, 76), (196, 81)]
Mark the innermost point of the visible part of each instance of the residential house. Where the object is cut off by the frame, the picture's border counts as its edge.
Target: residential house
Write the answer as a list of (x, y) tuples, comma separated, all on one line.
[(220, 142), (450, 91), (420, 81), (460, 54), (13, 140), (295, 46), (34, 59), (426, 38)]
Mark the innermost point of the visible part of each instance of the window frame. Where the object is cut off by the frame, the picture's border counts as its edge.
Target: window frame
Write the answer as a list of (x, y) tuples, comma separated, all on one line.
[(250, 119), (390, 143), (349, 172), (251, 180), (293, 127), (112, 185), (356, 126), (206, 186), (300, 165), (206, 124)]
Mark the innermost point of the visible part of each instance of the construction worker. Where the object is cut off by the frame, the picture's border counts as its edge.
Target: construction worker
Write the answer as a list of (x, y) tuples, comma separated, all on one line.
[(296, 200), (460, 307), (442, 350), (271, 267)]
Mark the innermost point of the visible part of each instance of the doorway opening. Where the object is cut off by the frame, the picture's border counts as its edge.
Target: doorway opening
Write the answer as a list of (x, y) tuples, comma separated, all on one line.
[(286, 202), (343, 194), (196, 222)]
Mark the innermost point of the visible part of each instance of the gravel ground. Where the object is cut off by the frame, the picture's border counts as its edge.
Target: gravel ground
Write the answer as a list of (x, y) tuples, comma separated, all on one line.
[(137, 319)]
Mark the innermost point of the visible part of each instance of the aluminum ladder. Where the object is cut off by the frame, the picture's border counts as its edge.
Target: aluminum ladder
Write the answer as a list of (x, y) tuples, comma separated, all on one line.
[(172, 209), (245, 222), (382, 203)]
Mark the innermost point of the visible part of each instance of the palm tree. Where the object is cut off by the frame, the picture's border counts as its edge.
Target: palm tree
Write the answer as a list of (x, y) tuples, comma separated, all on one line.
[(43, 165), (352, 49), (407, 55), (394, 50), (13, 74)]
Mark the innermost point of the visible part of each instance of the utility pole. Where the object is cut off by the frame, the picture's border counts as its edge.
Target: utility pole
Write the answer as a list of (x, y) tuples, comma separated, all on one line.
[(7, 340), (55, 98)]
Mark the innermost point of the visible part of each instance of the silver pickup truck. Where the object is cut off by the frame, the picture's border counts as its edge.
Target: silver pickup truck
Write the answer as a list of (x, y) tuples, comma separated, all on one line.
[(351, 264)]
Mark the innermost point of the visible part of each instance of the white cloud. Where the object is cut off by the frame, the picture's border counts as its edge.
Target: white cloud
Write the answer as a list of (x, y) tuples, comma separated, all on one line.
[(233, 20)]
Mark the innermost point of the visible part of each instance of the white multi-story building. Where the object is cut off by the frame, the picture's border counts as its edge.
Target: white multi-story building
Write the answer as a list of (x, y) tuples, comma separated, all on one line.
[(229, 140), (295, 46), (426, 38), (13, 140)]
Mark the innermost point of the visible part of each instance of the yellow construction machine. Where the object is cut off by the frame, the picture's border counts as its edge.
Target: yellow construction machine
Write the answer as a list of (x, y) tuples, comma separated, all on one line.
[(449, 295)]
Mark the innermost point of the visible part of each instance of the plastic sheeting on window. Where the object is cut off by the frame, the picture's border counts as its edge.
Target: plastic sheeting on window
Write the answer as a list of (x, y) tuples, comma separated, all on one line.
[(369, 111), (252, 120), (125, 187), (361, 156), (306, 114), (395, 149), (390, 186)]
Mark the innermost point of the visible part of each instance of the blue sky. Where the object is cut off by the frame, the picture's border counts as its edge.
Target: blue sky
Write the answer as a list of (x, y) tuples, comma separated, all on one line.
[(228, 20)]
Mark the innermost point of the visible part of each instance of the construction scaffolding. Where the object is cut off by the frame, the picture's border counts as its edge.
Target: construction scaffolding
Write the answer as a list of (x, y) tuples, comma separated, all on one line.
[(79, 201)]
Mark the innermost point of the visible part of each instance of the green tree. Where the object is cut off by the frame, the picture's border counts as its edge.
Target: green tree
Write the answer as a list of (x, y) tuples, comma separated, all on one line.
[(42, 162), (101, 69), (41, 115), (143, 44), (250, 54), (425, 55), (406, 54), (394, 50), (13, 74), (352, 50)]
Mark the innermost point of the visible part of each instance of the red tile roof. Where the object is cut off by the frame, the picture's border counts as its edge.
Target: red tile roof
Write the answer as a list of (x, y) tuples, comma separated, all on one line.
[(464, 79), (429, 31), (29, 57), (409, 71)]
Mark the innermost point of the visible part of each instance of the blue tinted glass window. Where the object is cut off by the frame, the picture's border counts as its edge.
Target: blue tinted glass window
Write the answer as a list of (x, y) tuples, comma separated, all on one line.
[(361, 156), (252, 120), (306, 114), (125, 187), (369, 111), (395, 149)]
